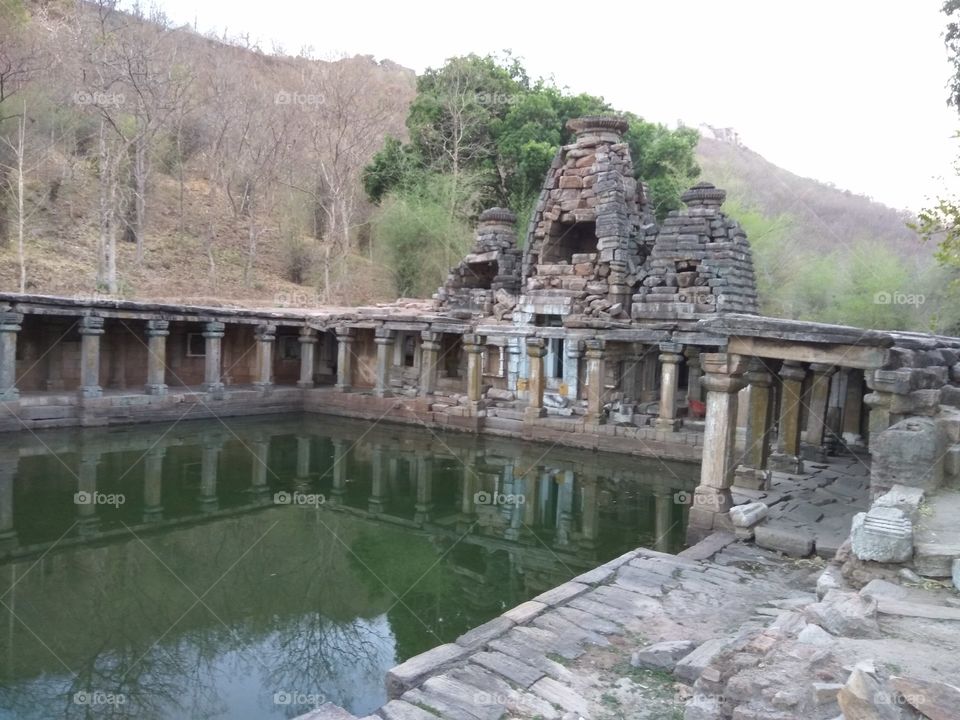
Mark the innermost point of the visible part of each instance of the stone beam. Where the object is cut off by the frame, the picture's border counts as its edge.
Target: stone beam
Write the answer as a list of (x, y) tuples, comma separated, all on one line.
[(855, 356)]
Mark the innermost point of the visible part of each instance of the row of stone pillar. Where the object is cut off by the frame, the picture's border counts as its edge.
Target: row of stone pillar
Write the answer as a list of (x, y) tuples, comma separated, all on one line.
[(91, 330)]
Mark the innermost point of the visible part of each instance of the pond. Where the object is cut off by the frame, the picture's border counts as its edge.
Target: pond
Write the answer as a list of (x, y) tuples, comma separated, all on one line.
[(257, 567)]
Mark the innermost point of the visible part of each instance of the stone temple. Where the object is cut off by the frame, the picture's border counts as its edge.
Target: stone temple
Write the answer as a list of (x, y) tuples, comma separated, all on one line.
[(603, 329)]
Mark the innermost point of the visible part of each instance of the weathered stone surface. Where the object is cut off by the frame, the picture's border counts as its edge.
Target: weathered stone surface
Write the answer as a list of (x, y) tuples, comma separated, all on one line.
[(514, 670), (865, 697), (935, 559), (484, 633), (562, 593), (936, 700), (703, 707), (415, 670), (745, 516), (846, 614), (883, 534), (815, 635), (902, 497), (956, 574), (525, 612), (907, 453), (662, 655)]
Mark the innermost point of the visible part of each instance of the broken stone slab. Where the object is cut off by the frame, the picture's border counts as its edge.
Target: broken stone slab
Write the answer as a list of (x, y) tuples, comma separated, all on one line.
[(904, 498), (559, 694), (935, 559), (690, 667), (825, 693), (745, 516), (796, 542), (562, 593), (525, 612), (830, 579), (662, 655), (414, 671), (815, 635), (708, 547), (401, 710), (883, 534), (936, 700), (845, 614), (514, 670)]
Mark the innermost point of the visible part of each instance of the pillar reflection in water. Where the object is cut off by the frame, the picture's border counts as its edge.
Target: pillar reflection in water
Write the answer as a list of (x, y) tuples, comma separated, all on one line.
[(153, 484)]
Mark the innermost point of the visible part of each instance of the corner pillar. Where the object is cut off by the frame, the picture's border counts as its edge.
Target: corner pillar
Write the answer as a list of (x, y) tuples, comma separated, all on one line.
[(265, 335), (712, 500), (474, 349)]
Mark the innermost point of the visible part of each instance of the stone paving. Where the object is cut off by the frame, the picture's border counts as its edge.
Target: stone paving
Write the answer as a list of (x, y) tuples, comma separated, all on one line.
[(566, 654), (811, 513)]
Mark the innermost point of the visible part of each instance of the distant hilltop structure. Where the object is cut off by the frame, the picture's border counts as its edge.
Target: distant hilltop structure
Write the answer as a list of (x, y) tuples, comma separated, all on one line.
[(727, 134)]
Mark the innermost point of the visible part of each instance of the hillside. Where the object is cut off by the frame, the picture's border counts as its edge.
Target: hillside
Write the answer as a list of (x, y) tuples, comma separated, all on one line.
[(823, 216)]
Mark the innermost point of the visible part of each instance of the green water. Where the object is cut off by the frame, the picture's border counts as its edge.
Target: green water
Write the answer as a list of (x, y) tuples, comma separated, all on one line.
[(254, 568)]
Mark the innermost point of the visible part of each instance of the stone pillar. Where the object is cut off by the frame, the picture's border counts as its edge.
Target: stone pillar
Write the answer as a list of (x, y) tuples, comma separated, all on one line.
[(153, 484), (648, 384), (9, 327), (157, 332), (9, 460), (891, 399), (589, 512), (429, 355), (663, 520), (209, 466), (213, 333), (86, 491), (571, 369), (787, 456), (712, 500), (817, 410), (474, 348), (344, 358), (265, 335), (753, 473), (303, 460), (670, 357), (339, 471), (596, 373), (378, 482), (384, 340), (515, 355), (91, 328), (308, 349), (260, 451), (424, 504), (694, 373), (536, 382), (630, 377), (853, 407)]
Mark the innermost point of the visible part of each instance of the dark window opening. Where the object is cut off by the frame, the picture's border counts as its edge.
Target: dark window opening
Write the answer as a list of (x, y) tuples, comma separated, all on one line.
[(289, 347), (541, 320), (196, 345), (556, 345), (409, 351), (570, 240), (480, 275)]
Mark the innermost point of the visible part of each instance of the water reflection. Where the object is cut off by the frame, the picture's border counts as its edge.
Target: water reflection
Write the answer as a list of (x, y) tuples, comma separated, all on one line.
[(250, 571)]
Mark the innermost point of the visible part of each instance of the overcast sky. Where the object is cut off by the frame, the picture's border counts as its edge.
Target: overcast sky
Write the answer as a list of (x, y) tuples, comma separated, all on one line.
[(845, 91)]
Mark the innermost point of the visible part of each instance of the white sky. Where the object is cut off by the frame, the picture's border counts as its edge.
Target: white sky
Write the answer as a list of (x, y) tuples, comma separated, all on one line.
[(845, 91)]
